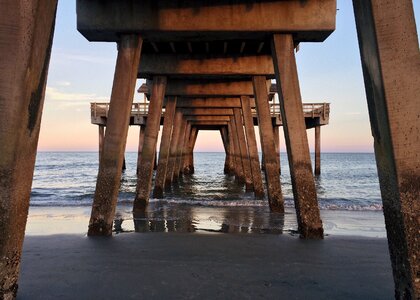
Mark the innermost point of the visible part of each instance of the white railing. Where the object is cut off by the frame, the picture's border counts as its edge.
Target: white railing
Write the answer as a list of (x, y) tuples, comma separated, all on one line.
[(309, 109)]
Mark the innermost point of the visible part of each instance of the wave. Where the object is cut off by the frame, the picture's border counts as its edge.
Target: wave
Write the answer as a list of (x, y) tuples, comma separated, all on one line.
[(87, 201)]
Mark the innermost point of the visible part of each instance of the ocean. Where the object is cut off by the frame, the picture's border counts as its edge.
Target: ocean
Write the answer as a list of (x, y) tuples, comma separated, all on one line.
[(348, 181), (207, 201)]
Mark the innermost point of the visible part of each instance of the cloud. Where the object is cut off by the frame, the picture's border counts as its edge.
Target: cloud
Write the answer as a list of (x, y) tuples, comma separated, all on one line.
[(63, 83), (71, 99)]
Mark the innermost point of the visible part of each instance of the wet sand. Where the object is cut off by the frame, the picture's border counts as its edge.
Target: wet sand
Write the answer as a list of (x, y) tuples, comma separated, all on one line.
[(187, 252), (204, 266), (199, 219)]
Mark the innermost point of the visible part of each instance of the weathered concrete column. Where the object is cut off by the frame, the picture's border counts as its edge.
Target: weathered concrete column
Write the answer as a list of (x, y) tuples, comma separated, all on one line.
[(180, 148), (304, 191), (164, 147), (185, 148), (243, 148), (140, 147), (194, 134), (228, 159), (389, 50), (317, 150), (110, 166), (101, 129), (237, 154), (26, 34), (272, 177), (187, 161), (176, 132), (144, 179), (233, 168), (277, 143), (252, 147)]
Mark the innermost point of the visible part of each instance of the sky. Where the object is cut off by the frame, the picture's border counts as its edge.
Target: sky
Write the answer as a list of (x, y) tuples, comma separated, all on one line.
[(82, 72)]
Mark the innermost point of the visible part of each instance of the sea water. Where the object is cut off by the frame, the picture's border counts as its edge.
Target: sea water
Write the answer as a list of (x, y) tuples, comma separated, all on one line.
[(206, 201), (348, 181)]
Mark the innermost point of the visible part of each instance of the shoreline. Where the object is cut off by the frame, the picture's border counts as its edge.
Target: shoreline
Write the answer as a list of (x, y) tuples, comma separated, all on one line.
[(198, 219)]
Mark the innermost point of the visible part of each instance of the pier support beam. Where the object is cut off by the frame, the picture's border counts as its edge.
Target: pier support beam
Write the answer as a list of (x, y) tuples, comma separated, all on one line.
[(272, 177), (186, 166), (144, 180), (277, 143), (194, 134), (237, 154), (101, 129), (176, 132), (180, 148), (232, 150), (317, 150), (140, 147), (185, 148), (228, 159), (26, 34), (110, 166), (243, 149), (252, 148), (390, 56), (304, 191), (189, 161), (164, 147)]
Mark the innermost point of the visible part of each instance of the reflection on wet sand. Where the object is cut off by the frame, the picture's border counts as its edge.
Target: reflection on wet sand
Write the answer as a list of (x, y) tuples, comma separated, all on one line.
[(175, 217)]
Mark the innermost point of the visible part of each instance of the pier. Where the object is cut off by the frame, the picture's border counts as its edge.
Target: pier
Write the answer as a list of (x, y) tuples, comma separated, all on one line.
[(209, 66), (316, 115)]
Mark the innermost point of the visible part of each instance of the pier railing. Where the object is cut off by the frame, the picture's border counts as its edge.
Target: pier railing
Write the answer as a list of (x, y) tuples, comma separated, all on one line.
[(310, 110)]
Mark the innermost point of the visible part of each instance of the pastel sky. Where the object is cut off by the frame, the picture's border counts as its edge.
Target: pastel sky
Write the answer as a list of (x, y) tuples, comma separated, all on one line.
[(82, 72)]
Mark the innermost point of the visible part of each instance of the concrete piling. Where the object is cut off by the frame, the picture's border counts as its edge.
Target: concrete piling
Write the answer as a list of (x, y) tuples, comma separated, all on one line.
[(26, 34), (101, 134), (317, 150), (140, 147), (164, 147), (272, 177), (389, 49), (185, 148), (252, 148), (187, 166), (193, 139), (304, 191), (243, 149), (226, 146), (234, 168), (277, 143), (176, 132), (237, 154), (144, 180), (110, 167), (179, 149)]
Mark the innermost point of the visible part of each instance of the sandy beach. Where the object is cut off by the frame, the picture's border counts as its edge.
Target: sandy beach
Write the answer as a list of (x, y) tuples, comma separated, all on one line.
[(207, 266), (350, 263)]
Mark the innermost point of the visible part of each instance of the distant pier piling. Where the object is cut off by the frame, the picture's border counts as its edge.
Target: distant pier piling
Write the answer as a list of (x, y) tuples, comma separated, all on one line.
[(148, 154)]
